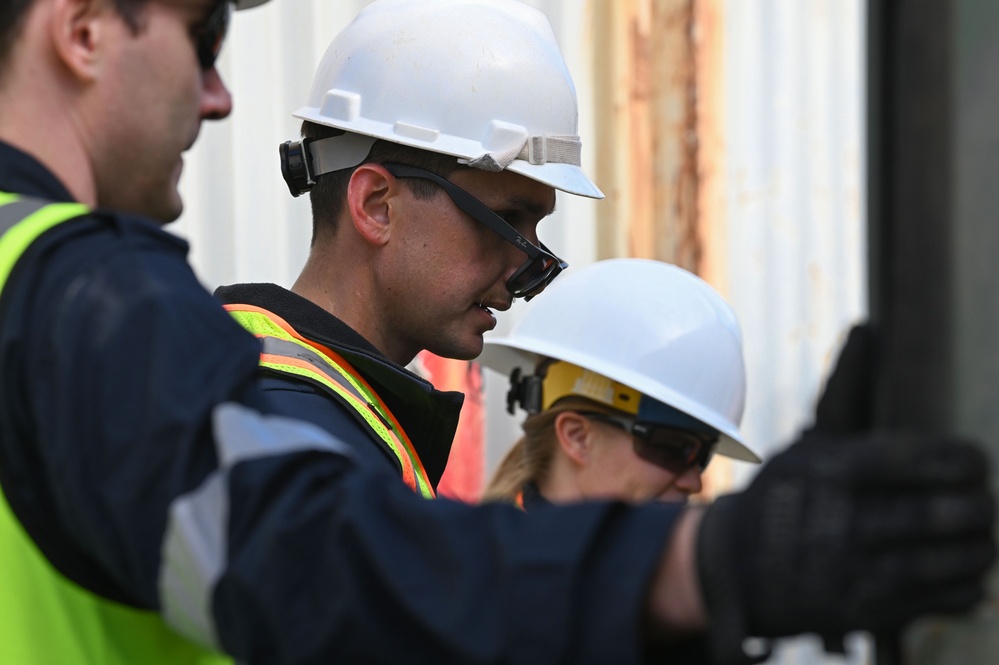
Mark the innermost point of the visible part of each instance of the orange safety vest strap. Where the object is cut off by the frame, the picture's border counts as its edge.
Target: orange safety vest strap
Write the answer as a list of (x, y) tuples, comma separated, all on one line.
[(329, 382), (279, 326), (286, 351), (292, 351)]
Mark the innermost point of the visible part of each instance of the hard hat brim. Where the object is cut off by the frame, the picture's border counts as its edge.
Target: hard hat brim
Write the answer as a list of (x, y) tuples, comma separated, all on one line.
[(568, 178), (565, 177), (503, 355)]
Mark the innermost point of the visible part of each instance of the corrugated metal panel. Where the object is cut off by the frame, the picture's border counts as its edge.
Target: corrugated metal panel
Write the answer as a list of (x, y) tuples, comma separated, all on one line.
[(646, 138), (777, 222), (794, 255), (795, 250)]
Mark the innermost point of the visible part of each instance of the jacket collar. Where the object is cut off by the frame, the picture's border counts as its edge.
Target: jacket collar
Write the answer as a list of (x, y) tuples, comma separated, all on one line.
[(429, 416)]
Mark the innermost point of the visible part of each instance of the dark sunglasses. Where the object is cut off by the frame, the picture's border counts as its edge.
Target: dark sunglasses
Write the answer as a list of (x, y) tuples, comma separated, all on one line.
[(541, 266), (211, 34), (676, 450)]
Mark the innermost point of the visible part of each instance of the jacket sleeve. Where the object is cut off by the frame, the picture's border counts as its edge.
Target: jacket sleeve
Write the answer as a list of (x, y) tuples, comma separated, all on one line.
[(160, 469)]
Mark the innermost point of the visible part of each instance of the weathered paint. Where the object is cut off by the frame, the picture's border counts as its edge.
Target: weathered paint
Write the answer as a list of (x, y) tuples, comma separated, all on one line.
[(766, 204), (708, 37), (647, 130)]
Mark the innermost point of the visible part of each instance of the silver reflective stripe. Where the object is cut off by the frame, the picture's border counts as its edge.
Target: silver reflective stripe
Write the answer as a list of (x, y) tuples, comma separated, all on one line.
[(242, 434), (280, 347), (195, 549), (15, 212), (193, 557)]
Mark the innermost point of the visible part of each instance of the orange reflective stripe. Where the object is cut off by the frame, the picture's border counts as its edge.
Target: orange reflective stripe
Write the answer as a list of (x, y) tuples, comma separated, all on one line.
[(342, 363), (409, 459), (408, 473)]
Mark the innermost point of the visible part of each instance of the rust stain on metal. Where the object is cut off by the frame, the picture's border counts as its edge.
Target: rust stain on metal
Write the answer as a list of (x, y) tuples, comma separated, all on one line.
[(621, 109), (712, 199), (674, 195), (607, 108), (659, 100), (710, 232), (647, 115), (642, 132)]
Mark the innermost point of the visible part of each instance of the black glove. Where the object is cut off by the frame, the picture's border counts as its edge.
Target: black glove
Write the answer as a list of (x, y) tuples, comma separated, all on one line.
[(847, 531)]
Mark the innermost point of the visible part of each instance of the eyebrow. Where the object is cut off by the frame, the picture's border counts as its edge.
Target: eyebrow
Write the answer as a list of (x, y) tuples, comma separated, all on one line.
[(530, 206), (200, 8)]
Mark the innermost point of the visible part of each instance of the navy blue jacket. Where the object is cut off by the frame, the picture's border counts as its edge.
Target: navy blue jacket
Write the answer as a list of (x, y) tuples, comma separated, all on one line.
[(114, 364), (427, 415)]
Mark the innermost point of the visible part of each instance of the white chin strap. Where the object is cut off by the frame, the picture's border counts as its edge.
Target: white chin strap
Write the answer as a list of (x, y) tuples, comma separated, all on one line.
[(536, 150)]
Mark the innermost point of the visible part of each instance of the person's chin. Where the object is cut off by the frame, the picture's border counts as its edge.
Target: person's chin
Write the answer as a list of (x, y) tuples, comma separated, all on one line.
[(475, 347), (163, 203), (169, 209), (468, 353), (465, 350), (173, 204)]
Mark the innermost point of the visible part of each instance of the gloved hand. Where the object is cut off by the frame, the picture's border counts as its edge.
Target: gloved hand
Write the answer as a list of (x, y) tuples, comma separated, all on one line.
[(847, 530)]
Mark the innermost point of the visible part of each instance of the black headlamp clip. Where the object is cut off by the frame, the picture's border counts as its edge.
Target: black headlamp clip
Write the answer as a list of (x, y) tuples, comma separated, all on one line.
[(296, 166), (526, 390)]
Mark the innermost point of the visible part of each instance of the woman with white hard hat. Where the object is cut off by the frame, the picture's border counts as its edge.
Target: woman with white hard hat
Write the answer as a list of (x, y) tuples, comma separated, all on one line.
[(632, 375)]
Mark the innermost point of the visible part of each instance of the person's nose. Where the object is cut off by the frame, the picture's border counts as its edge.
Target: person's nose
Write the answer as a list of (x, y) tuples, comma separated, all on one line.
[(514, 257), (689, 481), (216, 102), (531, 234)]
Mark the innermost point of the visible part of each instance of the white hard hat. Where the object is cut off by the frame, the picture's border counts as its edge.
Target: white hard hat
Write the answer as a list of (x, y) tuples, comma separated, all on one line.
[(482, 80), (648, 325)]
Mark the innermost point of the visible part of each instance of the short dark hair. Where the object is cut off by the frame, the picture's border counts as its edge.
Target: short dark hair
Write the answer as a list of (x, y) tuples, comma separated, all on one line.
[(329, 194), (13, 14)]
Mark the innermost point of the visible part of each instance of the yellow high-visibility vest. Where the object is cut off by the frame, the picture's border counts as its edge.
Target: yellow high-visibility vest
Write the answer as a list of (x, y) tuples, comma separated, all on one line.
[(44, 617)]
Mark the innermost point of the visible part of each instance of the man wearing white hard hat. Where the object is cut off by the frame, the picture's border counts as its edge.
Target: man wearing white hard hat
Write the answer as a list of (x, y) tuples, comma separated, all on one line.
[(436, 136)]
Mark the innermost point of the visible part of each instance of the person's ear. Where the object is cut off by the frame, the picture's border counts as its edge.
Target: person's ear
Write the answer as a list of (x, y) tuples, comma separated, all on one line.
[(79, 31), (370, 194), (575, 436)]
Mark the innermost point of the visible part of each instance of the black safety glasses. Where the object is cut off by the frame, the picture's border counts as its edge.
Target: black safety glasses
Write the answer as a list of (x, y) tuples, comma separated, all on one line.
[(211, 34), (541, 266), (676, 450)]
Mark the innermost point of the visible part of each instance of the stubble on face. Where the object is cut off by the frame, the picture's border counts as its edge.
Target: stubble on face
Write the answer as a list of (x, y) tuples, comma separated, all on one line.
[(153, 97), (452, 269)]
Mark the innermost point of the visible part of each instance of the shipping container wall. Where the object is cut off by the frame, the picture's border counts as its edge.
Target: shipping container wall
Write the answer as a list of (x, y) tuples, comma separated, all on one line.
[(728, 135), (794, 262)]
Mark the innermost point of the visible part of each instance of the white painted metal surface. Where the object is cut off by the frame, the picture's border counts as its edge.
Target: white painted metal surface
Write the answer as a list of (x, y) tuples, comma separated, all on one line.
[(794, 228)]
